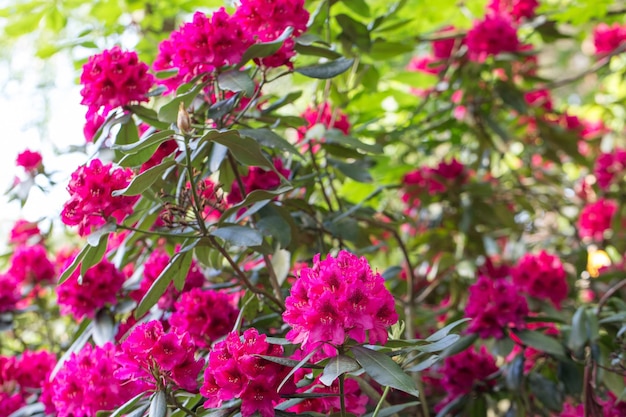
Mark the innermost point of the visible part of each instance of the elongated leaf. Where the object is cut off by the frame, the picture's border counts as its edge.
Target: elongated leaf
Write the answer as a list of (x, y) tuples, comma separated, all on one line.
[(327, 70), (394, 409), (263, 49), (441, 333), (246, 150), (144, 180), (297, 366), (289, 362), (384, 370), (239, 235), (182, 268), (440, 344), (424, 364), (169, 112), (578, 336), (104, 328), (255, 197), (159, 285), (541, 342), (460, 345), (236, 81), (338, 365), (270, 139), (154, 139), (128, 405), (546, 391), (158, 405)]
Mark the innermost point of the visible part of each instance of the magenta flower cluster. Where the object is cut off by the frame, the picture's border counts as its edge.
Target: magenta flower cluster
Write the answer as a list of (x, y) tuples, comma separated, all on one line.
[(31, 161), (517, 9), (493, 35), (610, 168), (432, 181), (30, 265), (336, 299), (91, 202), (596, 218), (607, 39), (258, 179), (541, 276), (205, 315), (236, 371), (156, 359)]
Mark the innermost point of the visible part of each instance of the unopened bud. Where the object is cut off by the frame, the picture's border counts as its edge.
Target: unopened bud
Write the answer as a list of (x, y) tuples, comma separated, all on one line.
[(183, 121)]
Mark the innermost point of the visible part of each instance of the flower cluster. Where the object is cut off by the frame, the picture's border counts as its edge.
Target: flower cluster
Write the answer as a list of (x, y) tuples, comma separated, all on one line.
[(494, 305), (607, 38), (84, 296), (517, 9), (236, 371), (466, 372), (596, 218), (338, 298), (153, 267), (432, 181), (9, 293), (205, 315), (86, 384), (355, 400), (29, 160), (156, 359), (326, 116), (30, 265), (91, 202), (113, 79), (441, 52), (493, 35), (541, 276), (258, 179), (610, 168), (23, 231)]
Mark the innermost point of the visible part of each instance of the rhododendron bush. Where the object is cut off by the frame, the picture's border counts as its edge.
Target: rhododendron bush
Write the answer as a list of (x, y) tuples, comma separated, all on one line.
[(342, 208)]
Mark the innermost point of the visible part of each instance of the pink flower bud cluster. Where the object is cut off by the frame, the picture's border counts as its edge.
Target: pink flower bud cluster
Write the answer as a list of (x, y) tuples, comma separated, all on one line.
[(607, 38), (258, 179), (86, 384), (495, 305), (91, 202), (22, 377), (156, 359), (30, 265), (596, 218), (541, 276), (517, 9), (236, 371), (113, 78), (432, 181), (610, 168), (153, 267), (493, 35), (82, 296), (205, 315), (31, 161), (467, 372), (336, 299)]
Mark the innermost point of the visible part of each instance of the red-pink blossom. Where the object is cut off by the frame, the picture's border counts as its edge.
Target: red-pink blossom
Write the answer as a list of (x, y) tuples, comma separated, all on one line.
[(541, 276), (610, 167), (495, 305), (596, 218), (235, 370), (114, 78), (607, 38), (493, 35), (31, 161), (9, 293), (336, 299), (258, 179), (83, 295), (157, 359), (91, 204), (432, 181), (326, 116), (165, 149), (23, 231), (355, 400), (30, 265), (517, 9), (85, 384), (613, 406), (206, 315)]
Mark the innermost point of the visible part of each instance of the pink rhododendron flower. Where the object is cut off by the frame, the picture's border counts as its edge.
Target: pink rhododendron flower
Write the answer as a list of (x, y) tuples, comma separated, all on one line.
[(93, 123), (607, 38), (157, 359), (426, 64), (338, 298), (432, 181), (494, 305), (258, 179), (113, 78), (9, 293), (493, 35), (329, 118), (235, 370), (9, 403), (153, 267), (570, 410), (165, 149), (540, 98), (23, 231), (467, 372), (610, 167), (613, 407), (30, 265), (29, 160), (85, 384), (596, 218), (355, 400), (206, 315), (517, 9), (541, 276), (91, 202), (21, 377), (97, 287)]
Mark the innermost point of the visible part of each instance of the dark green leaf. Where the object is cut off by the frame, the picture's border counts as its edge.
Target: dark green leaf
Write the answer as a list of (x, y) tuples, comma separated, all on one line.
[(313, 50), (394, 409), (354, 32), (169, 112), (462, 344), (384, 370), (289, 362), (546, 391), (440, 344), (144, 180), (236, 81), (94, 254), (541, 342), (263, 49), (338, 365), (182, 269), (239, 235), (358, 170), (441, 333), (327, 70), (266, 137), (578, 336), (72, 266), (336, 136), (158, 405), (158, 287), (154, 139), (424, 364), (246, 150)]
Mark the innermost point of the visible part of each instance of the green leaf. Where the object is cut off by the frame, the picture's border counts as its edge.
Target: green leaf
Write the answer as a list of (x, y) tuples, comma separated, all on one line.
[(384, 370), (354, 32), (541, 342), (394, 409), (169, 112), (94, 254), (183, 268), (263, 49), (312, 50), (255, 197), (128, 133), (158, 405), (158, 287), (546, 391), (462, 344), (578, 336), (72, 266), (235, 81), (144, 180), (440, 344), (441, 333), (246, 150), (357, 170), (327, 70), (338, 365), (104, 328), (289, 362), (337, 136), (383, 50), (266, 137), (239, 235), (156, 138), (424, 364), (299, 365), (358, 6), (127, 406)]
